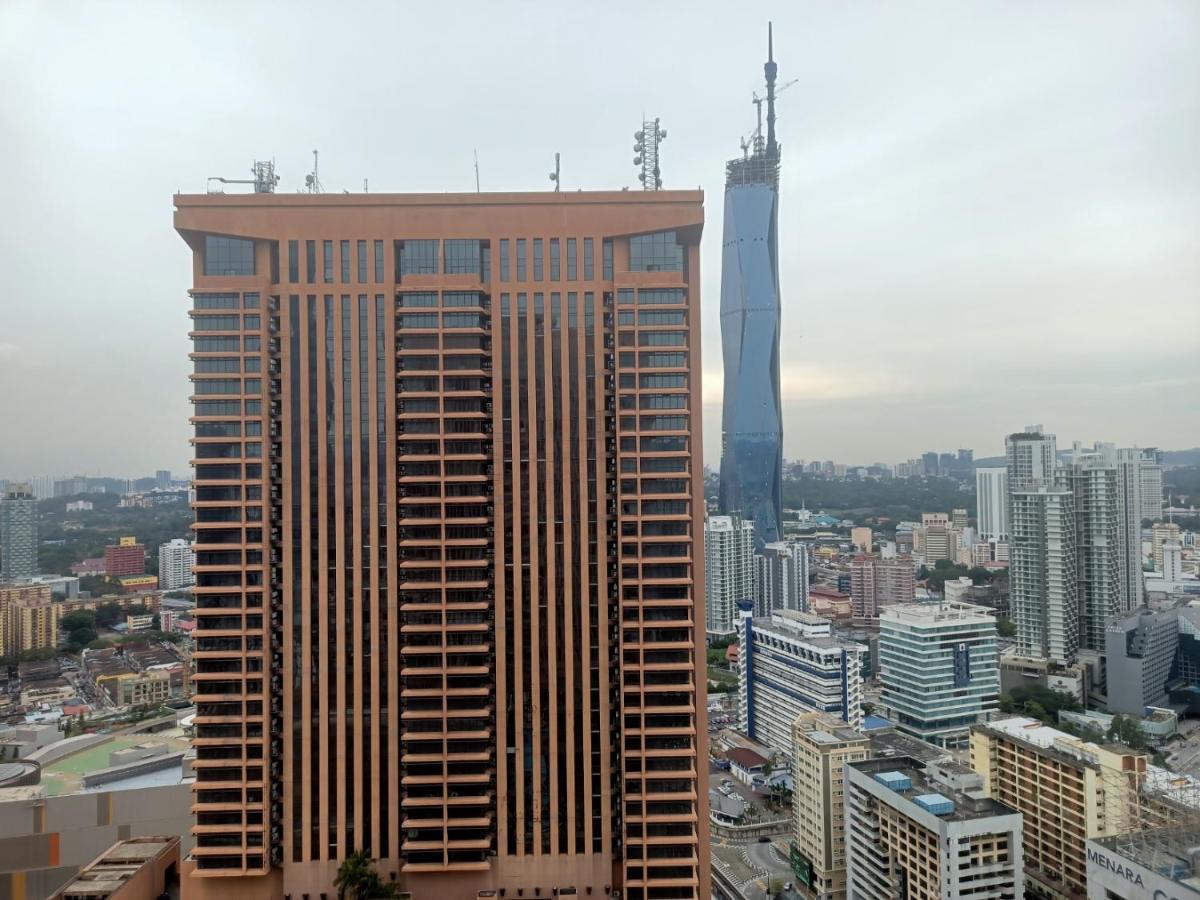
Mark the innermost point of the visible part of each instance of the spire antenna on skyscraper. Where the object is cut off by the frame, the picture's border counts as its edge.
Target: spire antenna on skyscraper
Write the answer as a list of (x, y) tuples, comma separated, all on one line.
[(770, 70)]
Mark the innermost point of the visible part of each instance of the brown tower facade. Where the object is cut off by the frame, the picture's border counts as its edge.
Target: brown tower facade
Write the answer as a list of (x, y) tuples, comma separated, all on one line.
[(449, 505)]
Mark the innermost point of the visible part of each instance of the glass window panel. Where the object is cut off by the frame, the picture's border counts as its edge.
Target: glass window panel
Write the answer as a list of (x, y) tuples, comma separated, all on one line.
[(228, 256), (659, 252)]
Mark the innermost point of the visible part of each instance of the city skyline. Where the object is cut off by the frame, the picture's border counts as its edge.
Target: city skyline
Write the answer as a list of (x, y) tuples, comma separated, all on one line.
[(984, 195)]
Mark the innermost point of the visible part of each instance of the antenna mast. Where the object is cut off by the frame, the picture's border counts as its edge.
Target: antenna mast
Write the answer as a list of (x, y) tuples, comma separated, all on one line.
[(554, 176), (770, 69), (645, 148), (312, 182), (476, 171)]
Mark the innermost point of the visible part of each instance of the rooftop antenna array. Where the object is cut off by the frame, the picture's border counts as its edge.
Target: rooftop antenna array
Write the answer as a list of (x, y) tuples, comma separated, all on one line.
[(312, 183), (476, 171), (645, 149), (554, 176), (264, 179)]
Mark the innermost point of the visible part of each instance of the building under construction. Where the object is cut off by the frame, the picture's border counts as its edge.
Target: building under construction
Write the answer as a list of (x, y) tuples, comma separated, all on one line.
[(751, 422)]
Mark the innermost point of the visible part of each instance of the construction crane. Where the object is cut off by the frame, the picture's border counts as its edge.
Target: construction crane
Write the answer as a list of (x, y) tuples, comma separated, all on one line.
[(758, 102)]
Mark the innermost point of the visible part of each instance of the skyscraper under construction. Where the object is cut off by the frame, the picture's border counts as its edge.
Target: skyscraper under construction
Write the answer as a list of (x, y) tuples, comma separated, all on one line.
[(448, 517), (751, 422)]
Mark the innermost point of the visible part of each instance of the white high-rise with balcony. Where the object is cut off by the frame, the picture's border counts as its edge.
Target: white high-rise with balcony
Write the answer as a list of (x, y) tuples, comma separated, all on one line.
[(175, 562), (729, 571), (991, 491)]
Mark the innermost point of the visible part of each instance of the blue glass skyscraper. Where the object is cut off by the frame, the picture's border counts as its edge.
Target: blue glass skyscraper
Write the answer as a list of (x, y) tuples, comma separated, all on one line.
[(751, 421)]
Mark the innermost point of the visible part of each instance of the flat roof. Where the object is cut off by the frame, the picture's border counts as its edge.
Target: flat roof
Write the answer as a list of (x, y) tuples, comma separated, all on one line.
[(966, 807)]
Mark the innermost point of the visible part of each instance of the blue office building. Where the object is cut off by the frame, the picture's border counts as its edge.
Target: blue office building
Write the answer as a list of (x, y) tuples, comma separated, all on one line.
[(751, 421)]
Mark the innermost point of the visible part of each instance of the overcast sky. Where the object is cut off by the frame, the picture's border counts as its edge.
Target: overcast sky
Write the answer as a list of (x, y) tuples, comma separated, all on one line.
[(990, 211)]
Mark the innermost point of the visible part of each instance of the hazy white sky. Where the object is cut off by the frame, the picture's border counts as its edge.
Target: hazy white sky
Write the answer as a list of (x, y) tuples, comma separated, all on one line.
[(990, 211)]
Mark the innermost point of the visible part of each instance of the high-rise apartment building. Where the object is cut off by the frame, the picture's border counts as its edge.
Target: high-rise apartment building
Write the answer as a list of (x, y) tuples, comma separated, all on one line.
[(1160, 534), (917, 829), (1043, 579), (1092, 480), (1030, 455), (991, 496), (126, 557), (1150, 471), (782, 577), (876, 582), (449, 512), (162, 479), (18, 533), (938, 542), (821, 746), (792, 663), (175, 563), (1066, 790), (751, 415), (729, 572), (28, 618), (1129, 536), (940, 668)]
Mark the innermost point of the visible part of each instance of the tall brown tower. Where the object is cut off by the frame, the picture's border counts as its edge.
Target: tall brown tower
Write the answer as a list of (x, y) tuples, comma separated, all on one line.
[(449, 509)]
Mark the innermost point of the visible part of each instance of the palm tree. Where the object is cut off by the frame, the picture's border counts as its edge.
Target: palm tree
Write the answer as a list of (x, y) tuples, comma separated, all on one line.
[(356, 877)]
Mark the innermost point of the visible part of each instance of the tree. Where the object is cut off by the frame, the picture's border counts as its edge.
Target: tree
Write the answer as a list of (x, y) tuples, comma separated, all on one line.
[(1126, 730), (80, 638), (108, 614), (357, 879), (1005, 627), (980, 575), (81, 618)]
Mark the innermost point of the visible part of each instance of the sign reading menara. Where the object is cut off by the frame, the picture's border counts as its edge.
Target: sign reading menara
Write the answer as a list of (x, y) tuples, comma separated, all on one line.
[(751, 422)]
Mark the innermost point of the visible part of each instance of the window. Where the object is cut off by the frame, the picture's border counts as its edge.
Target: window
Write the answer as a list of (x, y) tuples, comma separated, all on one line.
[(217, 323), (253, 343), (664, 381), (538, 261), (659, 296), (664, 423), (219, 386), (504, 273), (208, 365), (253, 363), (485, 261), (293, 261), (250, 301), (659, 252), (625, 317), (625, 297), (662, 339), (327, 254), (520, 259), (555, 260), (217, 344), (252, 323), (572, 260), (462, 320), (416, 301), (589, 261), (362, 262), (418, 320), (217, 408), (310, 261), (664, 401), (462, 298), (345, 262), (215, 301), (660, 317), (274, 262), (379, 262), (228, 256), (418, 258), (608, 260), (462, 257), (663, 360)]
